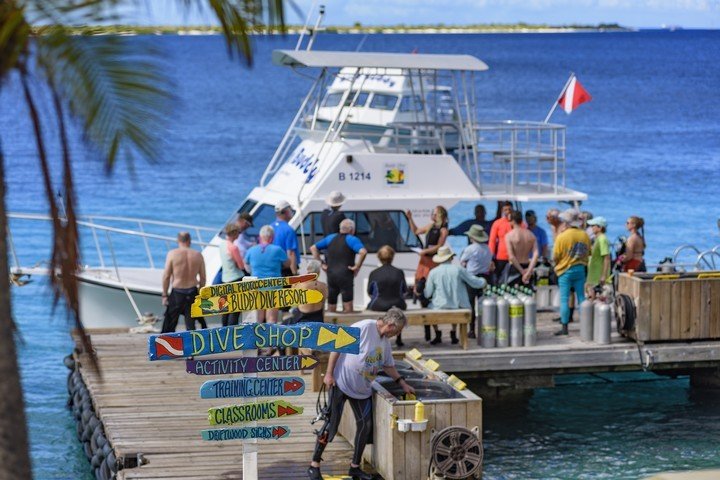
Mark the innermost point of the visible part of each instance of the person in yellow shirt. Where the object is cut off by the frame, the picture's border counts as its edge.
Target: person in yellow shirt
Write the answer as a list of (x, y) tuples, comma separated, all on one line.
[(571, 253)]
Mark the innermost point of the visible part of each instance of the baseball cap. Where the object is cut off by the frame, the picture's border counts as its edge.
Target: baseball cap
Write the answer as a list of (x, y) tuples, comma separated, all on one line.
[(599, 221), (281, 205)]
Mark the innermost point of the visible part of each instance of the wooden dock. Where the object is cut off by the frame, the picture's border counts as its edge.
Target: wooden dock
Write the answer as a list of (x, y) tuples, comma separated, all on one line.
[(152, 412)]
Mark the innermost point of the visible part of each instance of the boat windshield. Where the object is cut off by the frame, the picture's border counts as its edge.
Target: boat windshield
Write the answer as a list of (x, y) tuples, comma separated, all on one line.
[(373, 228)]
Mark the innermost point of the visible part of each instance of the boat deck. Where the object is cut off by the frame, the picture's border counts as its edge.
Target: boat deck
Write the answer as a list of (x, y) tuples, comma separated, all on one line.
[(153, 409)]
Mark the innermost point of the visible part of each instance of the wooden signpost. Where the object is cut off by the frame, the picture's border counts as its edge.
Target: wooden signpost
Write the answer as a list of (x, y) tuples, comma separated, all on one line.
[(253, 387), (252, 412), (254, 300), (317, 336), (226, 366), (274, 432), (238, 287)]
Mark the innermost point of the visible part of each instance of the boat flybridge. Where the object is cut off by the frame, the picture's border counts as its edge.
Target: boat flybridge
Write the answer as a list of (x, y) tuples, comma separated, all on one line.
[(392, 132)]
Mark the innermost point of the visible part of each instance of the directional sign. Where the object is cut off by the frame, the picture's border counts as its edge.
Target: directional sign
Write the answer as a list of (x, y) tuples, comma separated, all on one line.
[(254, 300), (226, 366), (273, 432), (249, 336), (252, 412), (237, 287), (253, 387)]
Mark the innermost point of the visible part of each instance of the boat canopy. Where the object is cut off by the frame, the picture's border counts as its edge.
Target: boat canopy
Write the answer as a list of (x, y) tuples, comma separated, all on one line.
[(338, 59)]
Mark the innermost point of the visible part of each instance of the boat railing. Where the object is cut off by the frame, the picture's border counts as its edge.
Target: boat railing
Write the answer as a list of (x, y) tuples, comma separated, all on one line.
[(102, 237), (518, 156), (702, 259)]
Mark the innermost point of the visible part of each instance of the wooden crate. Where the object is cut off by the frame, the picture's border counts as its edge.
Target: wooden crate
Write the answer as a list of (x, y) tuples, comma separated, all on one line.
[(406, 455), (674, 307)]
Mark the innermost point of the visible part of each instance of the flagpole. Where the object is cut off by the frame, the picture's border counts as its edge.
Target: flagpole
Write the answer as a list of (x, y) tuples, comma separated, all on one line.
[(562, 92)]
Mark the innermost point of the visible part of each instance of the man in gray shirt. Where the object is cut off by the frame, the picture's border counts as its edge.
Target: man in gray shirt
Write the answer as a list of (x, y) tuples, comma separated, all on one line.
[(349, 377)]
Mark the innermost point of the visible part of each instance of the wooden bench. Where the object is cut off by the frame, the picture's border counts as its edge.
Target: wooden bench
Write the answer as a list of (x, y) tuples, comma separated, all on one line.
[(421, 316)]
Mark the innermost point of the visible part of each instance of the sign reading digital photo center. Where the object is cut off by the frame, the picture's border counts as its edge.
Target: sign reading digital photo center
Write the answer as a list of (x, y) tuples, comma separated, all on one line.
[(226, 366), (252, 412), (247, 336), (245, 286), (254, 300), (273, 432), (253, 387)]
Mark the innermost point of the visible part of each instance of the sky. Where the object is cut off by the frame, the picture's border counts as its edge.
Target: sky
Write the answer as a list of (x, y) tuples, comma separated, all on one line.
[(629, 13)]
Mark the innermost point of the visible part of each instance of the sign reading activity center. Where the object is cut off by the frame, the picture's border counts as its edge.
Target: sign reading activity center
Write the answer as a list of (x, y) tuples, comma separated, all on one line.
[(239, 287), (226, 366), (247, 336), (253, 387), (252, 412), (254, 300), (273, 432)]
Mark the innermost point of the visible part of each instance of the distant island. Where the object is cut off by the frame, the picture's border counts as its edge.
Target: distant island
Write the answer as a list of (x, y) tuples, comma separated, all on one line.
[(357, 28)]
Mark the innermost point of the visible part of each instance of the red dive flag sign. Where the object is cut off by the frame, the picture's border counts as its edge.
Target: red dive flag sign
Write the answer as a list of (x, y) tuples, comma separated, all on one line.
[(574, 96)]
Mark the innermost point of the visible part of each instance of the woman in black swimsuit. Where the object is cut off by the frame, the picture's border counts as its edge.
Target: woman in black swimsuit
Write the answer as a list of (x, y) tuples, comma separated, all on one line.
[(437, 233)]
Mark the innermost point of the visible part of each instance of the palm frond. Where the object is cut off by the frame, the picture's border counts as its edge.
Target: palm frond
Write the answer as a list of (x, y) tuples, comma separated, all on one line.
[(116, 88), (14, 36)]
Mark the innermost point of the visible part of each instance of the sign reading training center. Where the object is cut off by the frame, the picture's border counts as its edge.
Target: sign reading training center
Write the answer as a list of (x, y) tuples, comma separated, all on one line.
[(254, 300), (252, 412), (226, 366), (253, 387), (317, 336)]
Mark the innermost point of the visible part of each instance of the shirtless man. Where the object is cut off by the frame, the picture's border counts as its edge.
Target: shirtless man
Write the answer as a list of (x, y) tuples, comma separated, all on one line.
[(520, 242), (186, 267)]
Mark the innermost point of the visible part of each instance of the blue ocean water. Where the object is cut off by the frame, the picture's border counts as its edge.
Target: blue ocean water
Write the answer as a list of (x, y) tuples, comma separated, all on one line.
[(647, 144)]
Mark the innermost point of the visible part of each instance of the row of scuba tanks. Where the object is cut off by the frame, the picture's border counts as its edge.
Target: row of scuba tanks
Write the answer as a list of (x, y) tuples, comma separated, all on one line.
[(508, 318)]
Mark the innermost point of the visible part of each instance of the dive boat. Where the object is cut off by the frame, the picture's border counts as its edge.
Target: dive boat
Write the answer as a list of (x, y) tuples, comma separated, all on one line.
[(392, 132)]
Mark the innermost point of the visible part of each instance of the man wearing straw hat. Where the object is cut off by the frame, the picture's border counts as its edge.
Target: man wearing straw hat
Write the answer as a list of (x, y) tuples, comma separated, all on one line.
[(330, 219), (476, 258), (447, 287)]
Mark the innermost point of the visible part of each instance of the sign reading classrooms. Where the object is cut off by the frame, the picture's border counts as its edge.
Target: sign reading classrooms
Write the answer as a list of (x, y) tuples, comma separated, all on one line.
[(249, 336), (252, 412)]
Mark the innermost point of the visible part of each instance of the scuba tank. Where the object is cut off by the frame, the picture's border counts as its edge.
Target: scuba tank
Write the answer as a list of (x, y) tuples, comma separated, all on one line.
[(503, 322), (586, 320), (530, 329), (602, 322), (517, 315), (488, 328)]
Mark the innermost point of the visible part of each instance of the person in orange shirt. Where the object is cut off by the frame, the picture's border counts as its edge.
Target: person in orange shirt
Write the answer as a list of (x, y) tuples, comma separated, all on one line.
[(501, 227)]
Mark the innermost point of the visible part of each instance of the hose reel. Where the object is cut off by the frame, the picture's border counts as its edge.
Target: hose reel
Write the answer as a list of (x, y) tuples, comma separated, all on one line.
[(625, 313), (456, 453)]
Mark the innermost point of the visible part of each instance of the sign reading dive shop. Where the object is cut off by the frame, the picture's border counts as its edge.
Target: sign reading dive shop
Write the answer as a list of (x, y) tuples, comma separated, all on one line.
[(239, 287), (246, 433), (252, 412), (246, 336), (253, 387), (226, 366), (254, 300)]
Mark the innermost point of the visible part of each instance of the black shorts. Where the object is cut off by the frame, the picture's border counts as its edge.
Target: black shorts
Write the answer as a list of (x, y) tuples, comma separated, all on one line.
[(340, 285)]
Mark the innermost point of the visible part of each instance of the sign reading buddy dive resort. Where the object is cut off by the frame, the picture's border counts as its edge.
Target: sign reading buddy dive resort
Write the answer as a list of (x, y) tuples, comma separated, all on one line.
[(226, 366), (252, 412), (253, 387), (254, 300), (247, 336)]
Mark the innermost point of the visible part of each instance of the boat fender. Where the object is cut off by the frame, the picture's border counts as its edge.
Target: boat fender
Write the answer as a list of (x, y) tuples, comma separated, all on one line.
[(95, 437), (86, 447), (111, 461), (69, 362), (97, 459)]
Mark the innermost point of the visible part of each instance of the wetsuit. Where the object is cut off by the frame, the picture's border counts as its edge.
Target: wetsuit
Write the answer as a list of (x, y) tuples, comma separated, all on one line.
[(386, 287), (179, 303), (340, 278)]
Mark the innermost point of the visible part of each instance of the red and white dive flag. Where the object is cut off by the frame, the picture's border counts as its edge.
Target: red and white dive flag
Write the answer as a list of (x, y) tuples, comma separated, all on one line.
[(573, 96)]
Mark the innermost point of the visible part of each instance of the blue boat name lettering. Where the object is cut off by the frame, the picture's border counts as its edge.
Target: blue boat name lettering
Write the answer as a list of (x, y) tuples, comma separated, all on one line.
[(306, 163)]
